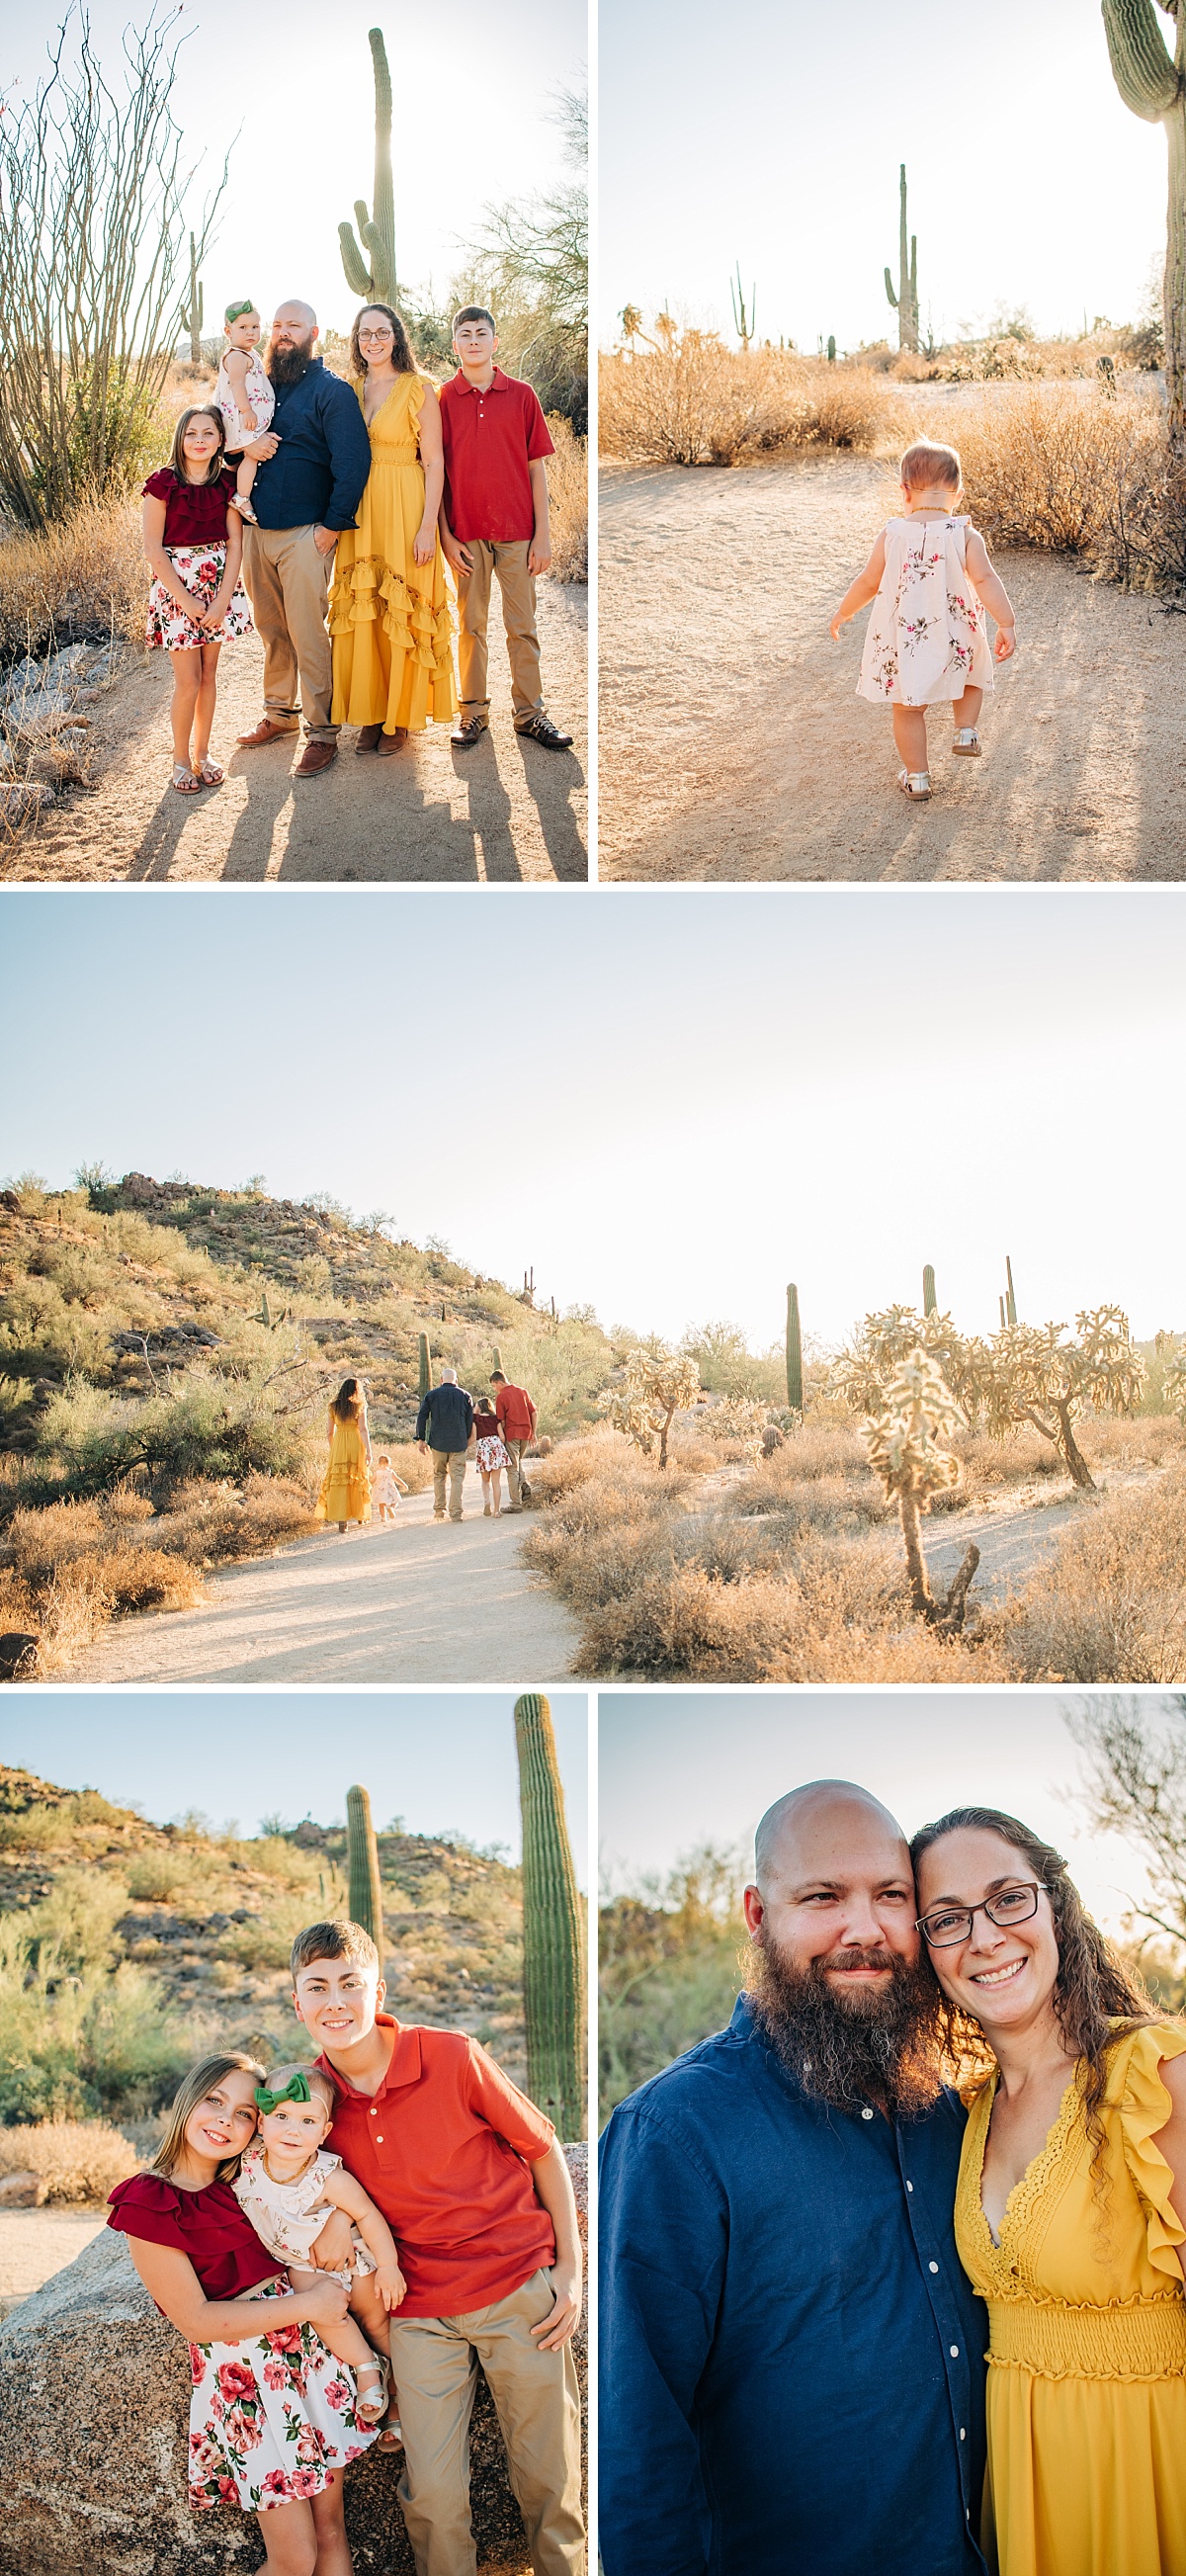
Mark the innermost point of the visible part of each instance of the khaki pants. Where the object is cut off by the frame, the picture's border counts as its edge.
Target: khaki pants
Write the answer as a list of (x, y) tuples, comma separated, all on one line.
[(288, 584), (450, 1463), (434, 2363), (509, 563), (516, 1452)]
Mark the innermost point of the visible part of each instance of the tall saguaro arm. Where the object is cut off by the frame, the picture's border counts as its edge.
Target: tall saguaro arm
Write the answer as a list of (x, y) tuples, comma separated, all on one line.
[(1151, 79)]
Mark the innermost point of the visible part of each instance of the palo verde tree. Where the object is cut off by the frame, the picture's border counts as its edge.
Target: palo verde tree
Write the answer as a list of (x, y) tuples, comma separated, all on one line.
[(1151, 79), (370, 270), (553, 1958), (656, 1384), (903, 1440), (1043, 1375), (93, 246)]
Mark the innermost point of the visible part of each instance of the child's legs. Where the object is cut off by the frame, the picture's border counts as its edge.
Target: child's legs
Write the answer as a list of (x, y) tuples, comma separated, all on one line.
[(966, 710), (329, 2524), (206, 700), (473, 610), (496, 1488), (910, 736), (290, 2539), (367, 2306), (245, 475), (345, 2340), (187, 681), (518, 616)]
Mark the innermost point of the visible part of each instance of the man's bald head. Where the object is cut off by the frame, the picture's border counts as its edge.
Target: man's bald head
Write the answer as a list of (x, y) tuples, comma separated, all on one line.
[(295, 311), (804, 1829)]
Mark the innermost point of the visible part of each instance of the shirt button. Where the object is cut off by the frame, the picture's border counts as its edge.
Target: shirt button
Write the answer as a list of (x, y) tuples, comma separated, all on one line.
[(963, 2435), (866, 2115), (932, 2267), (955, 2352), (378, 2137), (909, 2186), (374, 2115)]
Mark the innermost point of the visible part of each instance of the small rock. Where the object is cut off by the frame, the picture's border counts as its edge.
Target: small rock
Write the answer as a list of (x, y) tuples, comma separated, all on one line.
[(21, 803), (24, 2190), (18, 1650)]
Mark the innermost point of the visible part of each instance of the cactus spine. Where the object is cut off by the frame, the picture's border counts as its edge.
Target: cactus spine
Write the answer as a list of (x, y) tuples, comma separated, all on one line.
[(366, 1893), (191, 314), (1010, 1299), (905, 302), (794, 1353), (425, 1368), (553, 1965), (377, 231), (1152, 82), (930, 1303)]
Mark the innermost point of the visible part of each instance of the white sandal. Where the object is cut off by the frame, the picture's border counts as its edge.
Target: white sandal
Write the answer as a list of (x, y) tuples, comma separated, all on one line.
[(373, 2407), (240, 502), (185, 780), (915, 783), (966, 745)]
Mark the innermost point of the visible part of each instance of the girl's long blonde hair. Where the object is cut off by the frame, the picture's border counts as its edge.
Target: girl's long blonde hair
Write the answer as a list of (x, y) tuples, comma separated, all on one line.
[(193, 2089)]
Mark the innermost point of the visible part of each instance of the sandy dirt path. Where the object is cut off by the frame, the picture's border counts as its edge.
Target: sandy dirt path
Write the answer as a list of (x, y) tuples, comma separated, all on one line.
[(733, 744), (36, 2243), (418, 1601), (506, 812), (1012, 1545)]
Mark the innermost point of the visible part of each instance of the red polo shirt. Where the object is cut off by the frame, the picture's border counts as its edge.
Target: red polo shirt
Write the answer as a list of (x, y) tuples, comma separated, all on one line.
[(443, 2149), (491, 436), (515, 1412)]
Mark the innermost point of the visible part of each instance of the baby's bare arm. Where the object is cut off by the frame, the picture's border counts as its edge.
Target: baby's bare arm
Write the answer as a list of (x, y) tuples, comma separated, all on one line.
[(863, 589), (235, 363), (992, 591)]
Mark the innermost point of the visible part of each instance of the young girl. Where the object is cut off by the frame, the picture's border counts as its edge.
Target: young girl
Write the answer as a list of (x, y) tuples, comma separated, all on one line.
[(194, 544), (290, 2186), (387, 1488), (930, 576), (244, 396), (492, 1457), (273, 2417), (346, 1486)]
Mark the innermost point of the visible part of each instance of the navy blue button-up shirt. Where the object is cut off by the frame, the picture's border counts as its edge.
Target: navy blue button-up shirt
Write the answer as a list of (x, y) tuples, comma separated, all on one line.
[(791, 2366), (319, 472), (446, 1418)]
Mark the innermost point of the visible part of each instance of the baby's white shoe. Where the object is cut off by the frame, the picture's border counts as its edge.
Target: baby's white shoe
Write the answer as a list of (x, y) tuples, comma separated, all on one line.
[(966, 745), (240, 502), (915, 783)]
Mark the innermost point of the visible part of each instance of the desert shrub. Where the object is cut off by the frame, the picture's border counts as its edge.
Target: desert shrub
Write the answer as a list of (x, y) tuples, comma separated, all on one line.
[(690, 400), (209, 1427), (162, 1876), (76, 2161), (82, 580), (846, 1620), (77, 1920), (72, 2046), (568, 497), (1110, 1603), (1046, 467)]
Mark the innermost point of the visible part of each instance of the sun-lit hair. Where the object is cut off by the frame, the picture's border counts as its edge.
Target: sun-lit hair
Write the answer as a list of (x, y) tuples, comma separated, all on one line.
[(340, 1939), (401, 347), (198, 411), (473, 313), (193, 2089), (347, 1403), (278, 2076), (924, 464)]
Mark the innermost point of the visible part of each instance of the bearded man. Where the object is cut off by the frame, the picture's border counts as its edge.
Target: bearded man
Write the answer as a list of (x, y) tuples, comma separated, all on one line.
[(313, 467), (790, 2357)]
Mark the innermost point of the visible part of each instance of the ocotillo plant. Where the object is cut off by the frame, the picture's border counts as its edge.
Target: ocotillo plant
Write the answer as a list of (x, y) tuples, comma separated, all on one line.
[(905, 302), (1152, 82), (366, 1893), (930, 1303), (191, 314), (553, 1966), (377, 230), (425, 1367), (794, 1353)]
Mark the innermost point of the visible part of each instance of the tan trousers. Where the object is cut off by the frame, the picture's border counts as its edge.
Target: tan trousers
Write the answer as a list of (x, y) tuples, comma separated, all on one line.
[(516, 1452), (288, 585), (450, 1463), (509, 564), (434, 2363)]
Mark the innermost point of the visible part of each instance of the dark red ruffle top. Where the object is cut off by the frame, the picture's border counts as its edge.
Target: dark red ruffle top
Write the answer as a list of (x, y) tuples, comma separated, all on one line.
[(195, 513), (208, 2225)]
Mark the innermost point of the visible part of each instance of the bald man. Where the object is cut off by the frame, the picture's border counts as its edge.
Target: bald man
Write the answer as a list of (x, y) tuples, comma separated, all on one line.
[(313, 467), (791, 2365)]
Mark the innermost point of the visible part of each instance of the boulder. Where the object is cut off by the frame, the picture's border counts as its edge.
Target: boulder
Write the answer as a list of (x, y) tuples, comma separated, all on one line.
[(23, 2190), (94, 2411), (18, 1655)]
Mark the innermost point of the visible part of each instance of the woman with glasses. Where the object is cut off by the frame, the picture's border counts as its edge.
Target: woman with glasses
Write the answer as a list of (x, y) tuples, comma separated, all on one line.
[(390, 620), (1070, 2209)]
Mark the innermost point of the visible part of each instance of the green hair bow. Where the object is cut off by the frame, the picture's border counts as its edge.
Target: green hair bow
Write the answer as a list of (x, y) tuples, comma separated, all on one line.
[(234, 312), (296, 2090)]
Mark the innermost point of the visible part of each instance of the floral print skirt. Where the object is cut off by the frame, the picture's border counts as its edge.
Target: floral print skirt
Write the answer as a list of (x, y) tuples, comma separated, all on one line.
[(200, 569), (491, 1453), (269, 2419)]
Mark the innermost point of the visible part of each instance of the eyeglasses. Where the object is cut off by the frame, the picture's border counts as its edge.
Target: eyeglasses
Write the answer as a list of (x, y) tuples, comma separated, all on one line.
[(950, 1924), (385, 334)]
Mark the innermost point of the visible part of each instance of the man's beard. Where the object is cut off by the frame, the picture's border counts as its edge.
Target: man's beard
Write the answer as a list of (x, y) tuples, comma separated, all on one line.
[(287, 366), (851, 2048)]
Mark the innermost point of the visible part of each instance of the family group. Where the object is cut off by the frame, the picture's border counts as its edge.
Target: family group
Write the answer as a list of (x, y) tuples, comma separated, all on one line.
[(388, 482), (341, 2244), (497, 1432), (945, 2129)]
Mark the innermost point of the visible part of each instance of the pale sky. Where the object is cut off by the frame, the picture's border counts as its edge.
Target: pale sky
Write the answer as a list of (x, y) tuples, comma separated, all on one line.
[(692, 1097), (775, 137), (680, 1768), (473, 88), (443, 1760)]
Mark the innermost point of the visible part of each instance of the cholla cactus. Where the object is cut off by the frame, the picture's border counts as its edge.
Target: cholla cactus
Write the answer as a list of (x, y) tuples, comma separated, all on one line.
[(655, 1386), (1039, 1374), (862, 1374), (903, 1444), (1174, 1383)]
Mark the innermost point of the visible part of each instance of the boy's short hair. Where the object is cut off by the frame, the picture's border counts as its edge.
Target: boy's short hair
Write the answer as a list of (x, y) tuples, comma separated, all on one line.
[(473, 313), (498, 1377), (340, 1939), (318, 2082), (925, 463)]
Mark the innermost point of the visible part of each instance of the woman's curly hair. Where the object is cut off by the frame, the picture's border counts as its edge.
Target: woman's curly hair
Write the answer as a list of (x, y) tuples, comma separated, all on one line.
[(402, 358)]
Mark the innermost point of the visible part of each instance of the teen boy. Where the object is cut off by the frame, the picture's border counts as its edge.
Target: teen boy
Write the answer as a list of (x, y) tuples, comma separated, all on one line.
[(494, 524), (471, 2179)]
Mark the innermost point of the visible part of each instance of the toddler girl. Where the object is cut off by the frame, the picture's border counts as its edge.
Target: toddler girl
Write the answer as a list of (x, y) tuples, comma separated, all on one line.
[(194, 545), (289, 2187), (493, 1456), (387, 1488), (243, 395), (931, 579)]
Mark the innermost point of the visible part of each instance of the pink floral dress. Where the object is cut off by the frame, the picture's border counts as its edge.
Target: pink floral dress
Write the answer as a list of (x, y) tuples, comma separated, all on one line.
[(269, 2419), (927, 634), (195, 542)]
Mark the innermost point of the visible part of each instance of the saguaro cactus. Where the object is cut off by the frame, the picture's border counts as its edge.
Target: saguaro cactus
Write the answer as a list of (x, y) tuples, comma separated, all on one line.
[(376, 232), (1010, 1299), (1152, 82), (930, 1303), (497, 1359), (425, 1367), (553, 1966), (794, 1353), (831, 348), (743, 322), (191, 314), (366, 1893), (905, 302)]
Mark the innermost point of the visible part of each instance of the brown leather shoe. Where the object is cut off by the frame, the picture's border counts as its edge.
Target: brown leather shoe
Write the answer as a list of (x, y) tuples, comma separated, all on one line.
[(368, 737), (315, 757), (468, 731), (265, 731), (389, 743)]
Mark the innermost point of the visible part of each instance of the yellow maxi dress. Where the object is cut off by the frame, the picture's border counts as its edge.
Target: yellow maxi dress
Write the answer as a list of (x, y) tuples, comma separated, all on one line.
[(389, 617), (1087, 2336), (346, 1485)]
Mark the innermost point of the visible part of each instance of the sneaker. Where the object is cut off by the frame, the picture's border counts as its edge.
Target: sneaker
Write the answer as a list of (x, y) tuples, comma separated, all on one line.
[(541, 729), (470, 731)]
